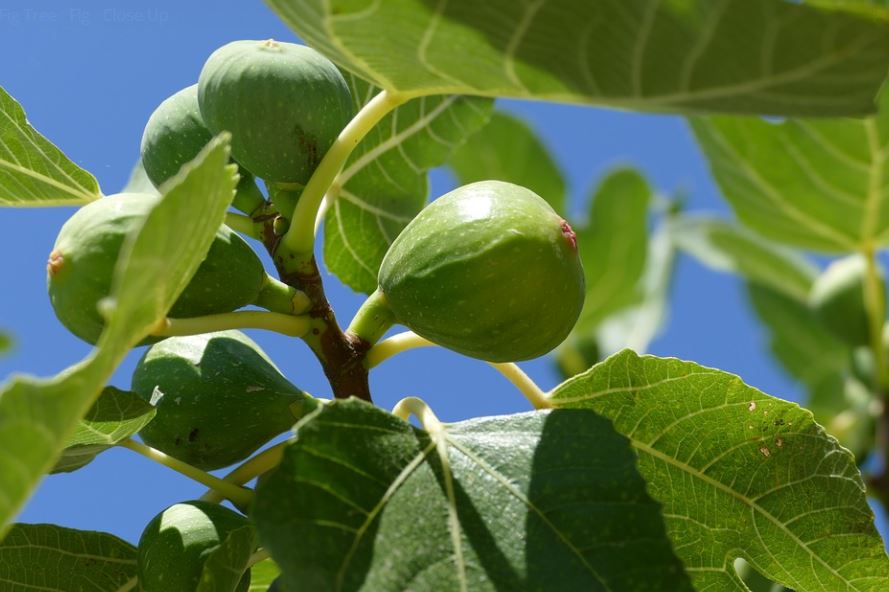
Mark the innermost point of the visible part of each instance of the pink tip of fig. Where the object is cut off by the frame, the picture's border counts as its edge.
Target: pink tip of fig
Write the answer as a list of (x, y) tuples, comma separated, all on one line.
[(55, 262), (569, 234)]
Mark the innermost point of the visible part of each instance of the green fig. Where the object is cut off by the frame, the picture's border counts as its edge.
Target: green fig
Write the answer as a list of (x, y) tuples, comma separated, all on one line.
[(838, 299), (177, 542), (283, 103), (175, 134), (82, 263), (489, 270), (218, 398)]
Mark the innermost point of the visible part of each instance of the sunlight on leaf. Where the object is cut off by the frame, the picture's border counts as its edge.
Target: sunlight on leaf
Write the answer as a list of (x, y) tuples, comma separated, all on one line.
[(33, 172), (739, 474), (786, 58), (68, 559), (522, 501)]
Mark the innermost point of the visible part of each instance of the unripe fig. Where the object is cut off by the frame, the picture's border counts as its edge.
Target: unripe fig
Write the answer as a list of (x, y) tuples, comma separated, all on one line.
[(177, 542), (489, 270), (175, 134), (283, 103), (838, 299), (218, 398), (81, 266)]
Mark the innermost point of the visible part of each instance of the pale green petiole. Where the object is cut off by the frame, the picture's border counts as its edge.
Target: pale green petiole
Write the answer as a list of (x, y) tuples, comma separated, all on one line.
[(276, 296), (293, 326), (373, 319), (243, 224), (410, 340), (250, 469), (300, 238), (238, 495), (419, 409)]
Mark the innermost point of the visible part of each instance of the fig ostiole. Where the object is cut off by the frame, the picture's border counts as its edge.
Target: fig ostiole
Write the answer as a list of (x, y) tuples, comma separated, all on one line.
[(283, 103), (489, 270), (175, 134), (838, 298), (218, 398), (176, 543), (81, 266)]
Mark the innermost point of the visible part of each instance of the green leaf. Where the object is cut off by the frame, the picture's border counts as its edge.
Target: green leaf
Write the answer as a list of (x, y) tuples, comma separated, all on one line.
[(811, 354), (114, 416), (744, 56), (636, 326), (226, 565), (364, 501), (384, 183), (739, 474), (262, 575), (508, 149), (819, 184), (139, 181), (728, 247), (53, 558), (38, 416), (33, 172), (613, 246)]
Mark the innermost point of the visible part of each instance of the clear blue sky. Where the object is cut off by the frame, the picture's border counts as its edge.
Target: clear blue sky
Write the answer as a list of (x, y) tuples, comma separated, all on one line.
[(89, 76)]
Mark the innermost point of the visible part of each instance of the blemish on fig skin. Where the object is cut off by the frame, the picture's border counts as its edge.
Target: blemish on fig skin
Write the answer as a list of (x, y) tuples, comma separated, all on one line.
[(55, 263), (569, 234)]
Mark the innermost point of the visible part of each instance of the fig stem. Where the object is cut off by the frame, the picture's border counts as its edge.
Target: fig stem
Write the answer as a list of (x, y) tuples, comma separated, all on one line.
[(239, 496), (523, 382), (373, 319), (243, 224), (276, 296), (410, 340), (300, 238), (251, 468), (293, 326), (248, 197), (420, 409), (395, 345)]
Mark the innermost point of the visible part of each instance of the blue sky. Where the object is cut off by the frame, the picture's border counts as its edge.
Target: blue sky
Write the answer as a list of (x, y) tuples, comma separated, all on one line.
[(90, 74)]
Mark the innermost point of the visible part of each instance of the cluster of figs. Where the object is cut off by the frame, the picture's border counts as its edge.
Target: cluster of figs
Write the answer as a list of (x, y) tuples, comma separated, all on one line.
[(488, 270)]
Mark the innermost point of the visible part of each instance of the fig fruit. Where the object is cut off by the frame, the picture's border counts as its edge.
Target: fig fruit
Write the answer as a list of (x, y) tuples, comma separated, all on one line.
[(838, 299), (82, 263), (489, 270), (175, 134), (283, 103), (218, 398), (177, 542)]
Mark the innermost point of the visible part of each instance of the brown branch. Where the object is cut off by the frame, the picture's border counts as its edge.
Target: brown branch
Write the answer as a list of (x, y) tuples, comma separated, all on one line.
[(340, 354)]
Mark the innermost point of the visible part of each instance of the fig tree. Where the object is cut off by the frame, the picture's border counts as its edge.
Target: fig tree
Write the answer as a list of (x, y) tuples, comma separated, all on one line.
[(81, 266), (283, 103), (218, 398), (177, 542), (489, 270), (838, 299)]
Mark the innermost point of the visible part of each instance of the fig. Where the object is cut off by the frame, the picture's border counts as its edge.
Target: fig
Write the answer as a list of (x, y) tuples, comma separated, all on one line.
[(81, 266), (283, 103), (175, 134), (218, 398), (177, 542), (489, 270), (838, 299)]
